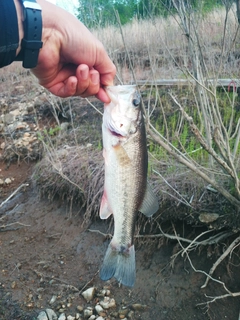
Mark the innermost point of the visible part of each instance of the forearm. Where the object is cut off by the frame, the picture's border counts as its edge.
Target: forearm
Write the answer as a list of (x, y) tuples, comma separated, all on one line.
[(9, 36)]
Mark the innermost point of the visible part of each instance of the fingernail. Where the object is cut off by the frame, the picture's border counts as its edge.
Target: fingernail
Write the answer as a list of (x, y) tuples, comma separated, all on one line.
[(95, 78), (84, 74)]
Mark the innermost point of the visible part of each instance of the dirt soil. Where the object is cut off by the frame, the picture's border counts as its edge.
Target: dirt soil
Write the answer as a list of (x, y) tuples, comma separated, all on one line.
[(46, 253), (48, 258)]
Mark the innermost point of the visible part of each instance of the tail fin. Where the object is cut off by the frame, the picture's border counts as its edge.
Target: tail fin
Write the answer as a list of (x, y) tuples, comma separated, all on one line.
[(120, 265)]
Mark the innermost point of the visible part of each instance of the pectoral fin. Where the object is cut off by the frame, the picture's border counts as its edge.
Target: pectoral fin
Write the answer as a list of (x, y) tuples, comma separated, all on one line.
[(150, 203), (105, 211)]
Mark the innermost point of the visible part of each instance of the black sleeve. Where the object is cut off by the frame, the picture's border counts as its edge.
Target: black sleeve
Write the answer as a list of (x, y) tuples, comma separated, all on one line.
[(9, 37)]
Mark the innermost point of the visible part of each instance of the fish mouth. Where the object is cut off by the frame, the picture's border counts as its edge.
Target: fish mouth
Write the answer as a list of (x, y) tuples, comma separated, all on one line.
[(115, 132)]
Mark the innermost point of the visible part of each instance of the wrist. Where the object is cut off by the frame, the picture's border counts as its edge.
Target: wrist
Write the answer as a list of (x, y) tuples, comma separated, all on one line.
[(31, 42)]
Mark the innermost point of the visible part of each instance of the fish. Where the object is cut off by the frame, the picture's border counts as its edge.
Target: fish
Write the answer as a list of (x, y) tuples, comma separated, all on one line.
[(126, 190)]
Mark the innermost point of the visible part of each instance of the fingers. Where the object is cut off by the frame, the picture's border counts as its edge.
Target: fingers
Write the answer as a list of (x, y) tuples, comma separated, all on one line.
[(88, 81), (102, 95), (73, 82), (85, 83)]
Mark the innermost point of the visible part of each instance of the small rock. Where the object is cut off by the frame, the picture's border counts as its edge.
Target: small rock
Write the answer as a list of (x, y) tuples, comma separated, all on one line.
[(87, 312), (139, 307), (8, 181), (99, 309), (42, 316), (3, 145), (108, 303), (26, 135), (1, 182), (89, 293), (8, 118), (13, 285), (70, 318), (80, 308), (93, 317), (15, 112), (100, 318), (77, 316), (208, 217), (62, 316), (21, 125), (123, 312), (51, 314), (53, 299)]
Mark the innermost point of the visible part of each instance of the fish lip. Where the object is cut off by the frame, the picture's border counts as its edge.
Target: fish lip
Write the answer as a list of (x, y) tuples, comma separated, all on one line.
[(116, 134)]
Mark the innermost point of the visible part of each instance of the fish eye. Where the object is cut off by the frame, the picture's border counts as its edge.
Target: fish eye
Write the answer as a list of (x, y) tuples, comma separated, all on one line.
[(136, 100)]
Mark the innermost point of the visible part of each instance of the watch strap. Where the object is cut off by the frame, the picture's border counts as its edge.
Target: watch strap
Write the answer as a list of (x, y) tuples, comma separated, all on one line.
[(31, 42)]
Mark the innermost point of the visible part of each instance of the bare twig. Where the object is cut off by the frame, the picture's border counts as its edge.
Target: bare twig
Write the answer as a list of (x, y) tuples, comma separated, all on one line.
[(197, 270), (88, 282), (69, 286), (220, 259), (4, 226), (179, 157), (13, 194), (106, 235), (227, 295)]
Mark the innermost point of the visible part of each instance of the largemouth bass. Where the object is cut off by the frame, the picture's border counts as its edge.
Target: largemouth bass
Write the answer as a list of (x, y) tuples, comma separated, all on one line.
[(125, 189)]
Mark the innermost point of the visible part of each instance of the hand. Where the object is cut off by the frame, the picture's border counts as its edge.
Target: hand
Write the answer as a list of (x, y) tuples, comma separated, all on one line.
[(72, 61)]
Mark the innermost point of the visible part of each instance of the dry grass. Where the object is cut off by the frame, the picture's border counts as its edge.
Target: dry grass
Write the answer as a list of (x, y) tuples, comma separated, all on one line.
[(162, 44), (75, 175)]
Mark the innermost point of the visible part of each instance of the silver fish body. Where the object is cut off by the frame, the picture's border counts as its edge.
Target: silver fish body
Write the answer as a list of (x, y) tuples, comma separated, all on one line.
[(125, 189)]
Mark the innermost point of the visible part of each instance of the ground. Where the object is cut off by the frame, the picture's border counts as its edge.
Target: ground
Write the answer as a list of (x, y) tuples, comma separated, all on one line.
[(46, 253), (48, 257)]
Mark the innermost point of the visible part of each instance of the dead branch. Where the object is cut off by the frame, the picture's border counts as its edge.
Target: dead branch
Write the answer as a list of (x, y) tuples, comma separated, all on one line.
[(4, 226), (65, 284), (227, 295), (197, 270), (220, 259), (179, 157), (106, 235), (13, 194)]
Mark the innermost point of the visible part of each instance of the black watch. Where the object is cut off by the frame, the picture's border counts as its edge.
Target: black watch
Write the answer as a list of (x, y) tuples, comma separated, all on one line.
[(32, 40)]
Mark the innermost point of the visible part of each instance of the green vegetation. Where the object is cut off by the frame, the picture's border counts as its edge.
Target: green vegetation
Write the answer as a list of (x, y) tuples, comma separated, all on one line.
[(180, 135), (99, 13)]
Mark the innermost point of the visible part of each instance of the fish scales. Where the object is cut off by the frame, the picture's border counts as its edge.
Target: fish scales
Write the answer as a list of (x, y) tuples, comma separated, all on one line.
[(129, 183), (125, 188)]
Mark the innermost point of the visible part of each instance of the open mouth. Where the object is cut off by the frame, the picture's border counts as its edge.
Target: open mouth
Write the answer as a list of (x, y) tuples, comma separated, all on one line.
[(116, 134)]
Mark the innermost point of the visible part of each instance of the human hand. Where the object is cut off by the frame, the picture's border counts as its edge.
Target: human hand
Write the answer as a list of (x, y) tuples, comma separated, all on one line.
[(72, 61)]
